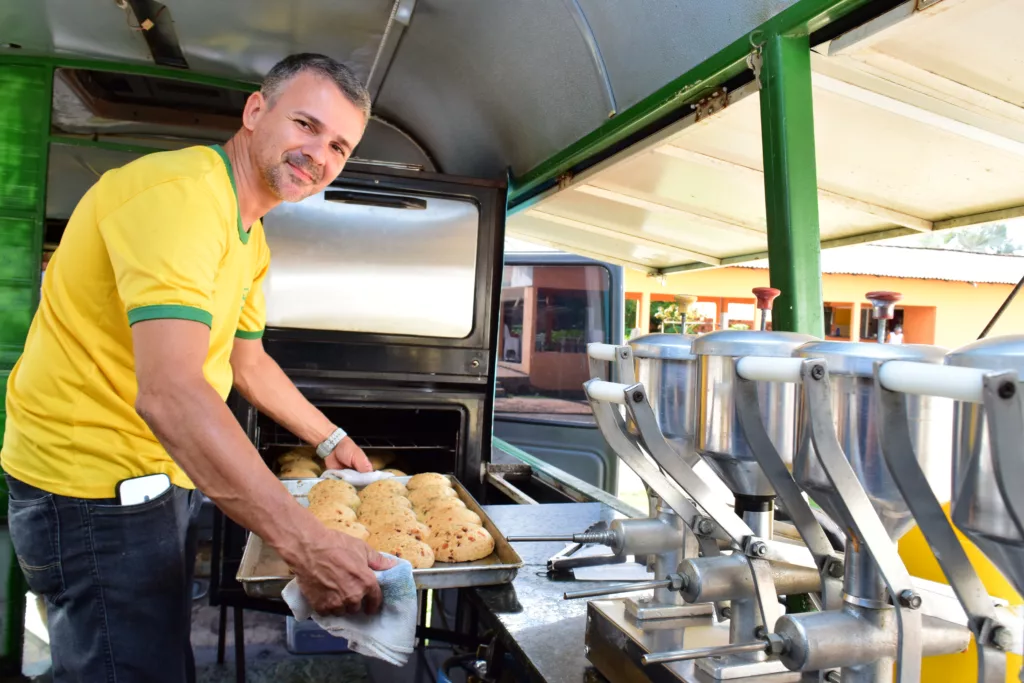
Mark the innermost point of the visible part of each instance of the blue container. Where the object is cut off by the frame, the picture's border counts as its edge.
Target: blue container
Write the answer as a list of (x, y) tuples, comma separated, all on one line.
[(306, 638)]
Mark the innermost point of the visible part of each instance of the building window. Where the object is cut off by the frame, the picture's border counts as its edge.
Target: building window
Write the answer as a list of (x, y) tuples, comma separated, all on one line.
[(838, 321), (869, 326)]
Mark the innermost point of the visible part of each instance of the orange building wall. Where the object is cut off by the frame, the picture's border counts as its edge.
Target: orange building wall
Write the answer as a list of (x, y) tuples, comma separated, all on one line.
[(961, 310)]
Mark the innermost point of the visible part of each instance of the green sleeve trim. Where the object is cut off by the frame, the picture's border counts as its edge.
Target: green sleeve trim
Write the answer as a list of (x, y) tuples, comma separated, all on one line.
[(246, 334), (165, 311)]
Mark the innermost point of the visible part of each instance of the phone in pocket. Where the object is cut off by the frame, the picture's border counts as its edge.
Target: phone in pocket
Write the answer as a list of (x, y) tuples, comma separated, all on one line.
[(142, 489)]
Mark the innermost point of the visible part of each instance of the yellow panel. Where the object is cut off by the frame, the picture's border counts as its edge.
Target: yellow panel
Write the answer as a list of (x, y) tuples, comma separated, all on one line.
[(960, 668)]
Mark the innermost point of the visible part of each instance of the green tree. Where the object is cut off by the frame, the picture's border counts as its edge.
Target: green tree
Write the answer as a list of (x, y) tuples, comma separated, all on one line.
[(987, 239)]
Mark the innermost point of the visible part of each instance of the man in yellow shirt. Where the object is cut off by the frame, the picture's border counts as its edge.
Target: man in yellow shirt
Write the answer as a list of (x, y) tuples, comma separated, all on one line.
[(151, 311)]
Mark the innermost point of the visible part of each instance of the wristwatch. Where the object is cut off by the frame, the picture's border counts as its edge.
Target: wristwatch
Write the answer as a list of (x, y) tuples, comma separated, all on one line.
[(328, 445)]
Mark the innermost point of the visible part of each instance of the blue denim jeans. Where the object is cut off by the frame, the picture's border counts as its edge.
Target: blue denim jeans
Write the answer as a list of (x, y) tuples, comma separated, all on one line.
[(117, 582)]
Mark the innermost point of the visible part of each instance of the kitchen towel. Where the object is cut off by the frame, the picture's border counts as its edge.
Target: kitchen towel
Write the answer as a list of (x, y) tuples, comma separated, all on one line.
[(390, 634), (355, 477)]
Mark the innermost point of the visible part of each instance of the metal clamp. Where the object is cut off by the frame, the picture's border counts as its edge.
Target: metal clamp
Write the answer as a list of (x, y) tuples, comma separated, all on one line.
[(621, 358), (611, 425), (774, 468), (860, 516), (1005, 412), (898, 450), (729, 526)]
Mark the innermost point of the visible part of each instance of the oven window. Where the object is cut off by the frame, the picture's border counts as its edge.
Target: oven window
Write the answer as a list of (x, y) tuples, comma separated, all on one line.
[(549, 313)]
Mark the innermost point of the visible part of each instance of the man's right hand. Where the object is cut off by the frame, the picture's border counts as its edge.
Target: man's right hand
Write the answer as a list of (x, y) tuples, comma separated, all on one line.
[(335, 574)]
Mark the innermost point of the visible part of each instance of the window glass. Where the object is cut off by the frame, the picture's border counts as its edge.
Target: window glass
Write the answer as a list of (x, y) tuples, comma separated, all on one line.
[(548, 316)]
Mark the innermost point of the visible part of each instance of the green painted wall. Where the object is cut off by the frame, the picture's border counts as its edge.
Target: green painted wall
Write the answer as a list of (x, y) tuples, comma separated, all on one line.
[(24, 126)]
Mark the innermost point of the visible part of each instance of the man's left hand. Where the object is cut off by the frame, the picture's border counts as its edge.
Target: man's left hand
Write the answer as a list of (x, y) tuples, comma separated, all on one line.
[(347, 455)]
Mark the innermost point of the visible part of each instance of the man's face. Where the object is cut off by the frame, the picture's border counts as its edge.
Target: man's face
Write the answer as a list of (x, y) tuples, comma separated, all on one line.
[(301, 140)]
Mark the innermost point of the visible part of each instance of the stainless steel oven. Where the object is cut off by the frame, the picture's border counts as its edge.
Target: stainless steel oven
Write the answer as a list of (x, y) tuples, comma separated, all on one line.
[(381, 304)]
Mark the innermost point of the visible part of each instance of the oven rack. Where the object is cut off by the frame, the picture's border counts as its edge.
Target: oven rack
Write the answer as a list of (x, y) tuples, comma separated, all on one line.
[(277, 436)]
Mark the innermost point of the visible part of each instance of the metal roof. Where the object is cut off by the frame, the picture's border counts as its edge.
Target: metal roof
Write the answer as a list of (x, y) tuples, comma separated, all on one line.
[(486, 87), (919, 126), (912, 262)]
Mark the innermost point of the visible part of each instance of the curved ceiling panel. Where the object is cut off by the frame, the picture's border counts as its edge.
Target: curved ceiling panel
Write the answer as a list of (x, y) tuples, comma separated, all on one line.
[(491, 85), (647, 44)]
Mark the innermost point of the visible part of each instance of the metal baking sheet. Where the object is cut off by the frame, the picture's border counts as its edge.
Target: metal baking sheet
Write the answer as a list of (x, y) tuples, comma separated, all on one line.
[(264, 574)]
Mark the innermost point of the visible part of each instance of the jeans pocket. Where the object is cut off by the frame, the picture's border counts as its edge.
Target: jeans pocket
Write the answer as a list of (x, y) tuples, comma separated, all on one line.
[(116, 509), (35, 534)]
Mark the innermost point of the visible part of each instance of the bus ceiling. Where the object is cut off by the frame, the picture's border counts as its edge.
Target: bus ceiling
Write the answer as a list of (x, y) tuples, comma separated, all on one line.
[(660, 136)]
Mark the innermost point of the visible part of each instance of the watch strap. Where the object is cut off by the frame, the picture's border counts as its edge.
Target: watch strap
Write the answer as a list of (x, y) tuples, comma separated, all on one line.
[(328, 445)]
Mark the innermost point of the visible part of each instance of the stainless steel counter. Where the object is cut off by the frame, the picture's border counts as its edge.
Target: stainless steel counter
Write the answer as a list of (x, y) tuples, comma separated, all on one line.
[(545, 632)]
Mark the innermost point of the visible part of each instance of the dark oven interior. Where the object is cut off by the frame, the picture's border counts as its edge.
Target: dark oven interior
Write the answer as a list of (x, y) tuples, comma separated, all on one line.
[(412, 440)]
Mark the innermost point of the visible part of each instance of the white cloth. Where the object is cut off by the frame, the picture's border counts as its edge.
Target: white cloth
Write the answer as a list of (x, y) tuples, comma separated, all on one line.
[(355, 477), (389, 635)]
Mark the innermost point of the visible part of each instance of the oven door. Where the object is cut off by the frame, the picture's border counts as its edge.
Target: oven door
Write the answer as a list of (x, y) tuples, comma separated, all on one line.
[(387, 276)]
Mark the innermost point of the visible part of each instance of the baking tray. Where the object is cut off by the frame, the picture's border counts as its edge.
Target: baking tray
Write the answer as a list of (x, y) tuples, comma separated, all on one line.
[(263, 574)]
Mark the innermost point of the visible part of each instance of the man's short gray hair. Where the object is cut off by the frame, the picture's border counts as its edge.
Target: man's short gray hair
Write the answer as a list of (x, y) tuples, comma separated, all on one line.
[(338, 73)]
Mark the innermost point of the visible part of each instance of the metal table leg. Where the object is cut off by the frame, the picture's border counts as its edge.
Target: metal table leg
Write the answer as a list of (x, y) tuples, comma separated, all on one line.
[(222, 632), (239, 646)]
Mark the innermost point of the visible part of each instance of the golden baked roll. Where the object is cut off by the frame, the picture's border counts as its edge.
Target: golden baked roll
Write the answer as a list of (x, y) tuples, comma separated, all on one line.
[(423, 498), (418, 553), (438, 505), (374, 516), (383, 487), (291, 472), (300, 454), (331, 489), (450, 515), (460, 543), (328, 509), (409, 527), (385, 503), (354, 529), (418, 481)]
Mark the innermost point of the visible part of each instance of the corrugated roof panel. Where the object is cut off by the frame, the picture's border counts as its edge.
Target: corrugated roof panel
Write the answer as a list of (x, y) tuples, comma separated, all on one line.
[(924, 264)]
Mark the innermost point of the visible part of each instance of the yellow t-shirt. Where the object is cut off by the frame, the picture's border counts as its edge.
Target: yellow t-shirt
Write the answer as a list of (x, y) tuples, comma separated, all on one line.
[(161, 237)]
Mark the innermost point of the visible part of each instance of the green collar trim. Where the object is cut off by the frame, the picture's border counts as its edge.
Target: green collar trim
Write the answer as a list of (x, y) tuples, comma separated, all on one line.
[(242, 233)]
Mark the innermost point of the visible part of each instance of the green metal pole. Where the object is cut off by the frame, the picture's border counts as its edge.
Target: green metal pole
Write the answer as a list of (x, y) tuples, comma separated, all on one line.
[(791, 184)]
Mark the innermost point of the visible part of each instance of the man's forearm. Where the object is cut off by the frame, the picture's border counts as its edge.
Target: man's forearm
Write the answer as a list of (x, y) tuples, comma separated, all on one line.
[(200, 433), (264, 384)]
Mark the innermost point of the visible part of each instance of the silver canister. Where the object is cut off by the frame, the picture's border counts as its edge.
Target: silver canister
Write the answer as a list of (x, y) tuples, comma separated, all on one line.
[(977, 507), (667, 368), (851, 374), (720, 438)]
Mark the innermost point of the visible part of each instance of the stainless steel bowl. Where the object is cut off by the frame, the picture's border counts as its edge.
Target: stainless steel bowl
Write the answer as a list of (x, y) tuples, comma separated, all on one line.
[(978, 509), (720, 438), (851, 366), (668, 370)]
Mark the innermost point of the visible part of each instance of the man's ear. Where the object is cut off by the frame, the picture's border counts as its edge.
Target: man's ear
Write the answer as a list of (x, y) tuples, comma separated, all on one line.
[(254, 108)]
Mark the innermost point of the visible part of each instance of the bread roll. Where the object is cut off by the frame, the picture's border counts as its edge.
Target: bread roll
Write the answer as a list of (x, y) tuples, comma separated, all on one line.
[(418, 553), (376, 516), (418, 481), (326, 510), (439, 505), (330, 489), (423, 497), (354, 529), (385, 503), (460, 543), (450, 515), (384, 487)]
